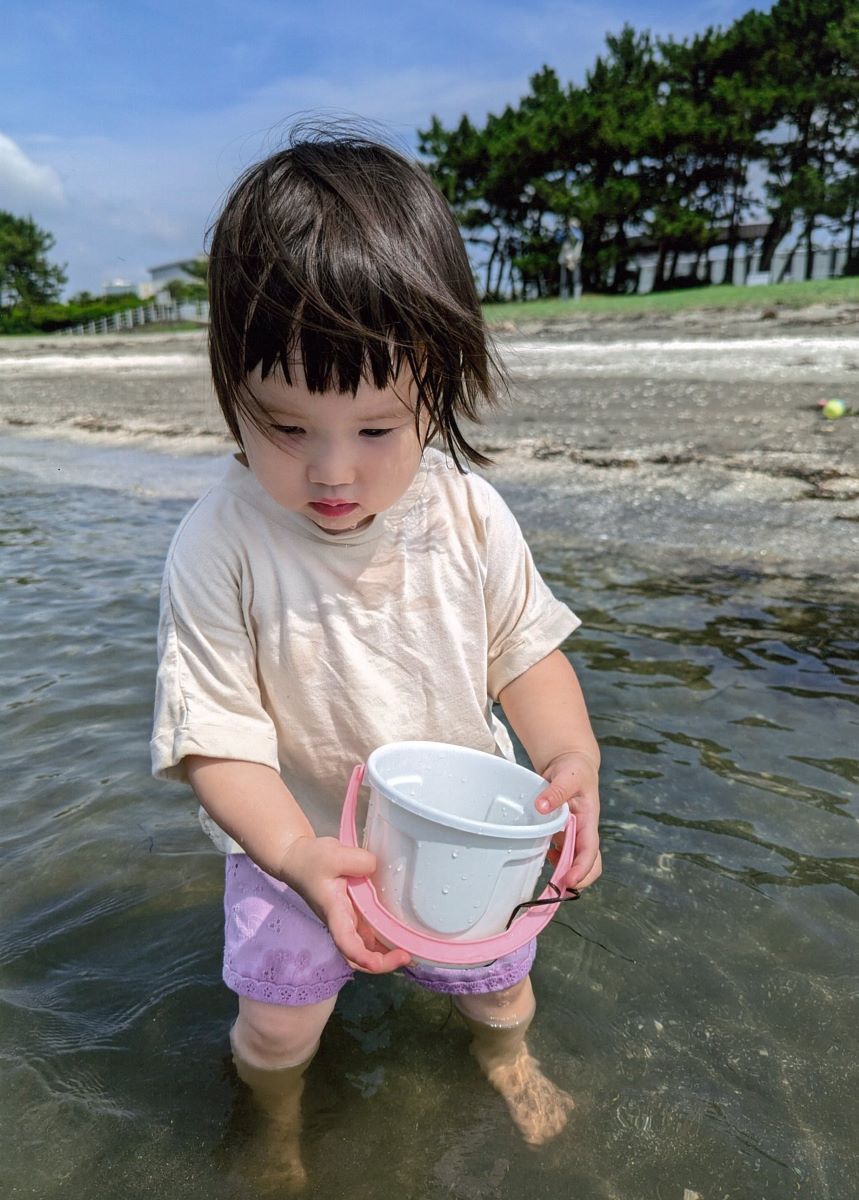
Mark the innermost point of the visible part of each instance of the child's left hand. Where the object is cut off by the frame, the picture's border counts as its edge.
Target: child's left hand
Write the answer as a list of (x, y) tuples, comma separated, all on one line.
[(574, 780)]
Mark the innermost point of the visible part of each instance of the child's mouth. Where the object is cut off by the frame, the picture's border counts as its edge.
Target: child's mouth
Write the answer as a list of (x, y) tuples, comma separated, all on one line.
[(332, 510)]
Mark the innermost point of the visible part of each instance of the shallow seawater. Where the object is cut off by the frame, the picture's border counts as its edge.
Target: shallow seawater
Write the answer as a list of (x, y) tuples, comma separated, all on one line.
[(700, 1002)]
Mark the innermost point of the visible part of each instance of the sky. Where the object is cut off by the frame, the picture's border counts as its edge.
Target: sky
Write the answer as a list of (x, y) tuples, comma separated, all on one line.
[(123, 125)]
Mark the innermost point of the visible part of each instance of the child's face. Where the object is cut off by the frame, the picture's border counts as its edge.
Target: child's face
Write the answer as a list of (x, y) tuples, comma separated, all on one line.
[(336, 459)]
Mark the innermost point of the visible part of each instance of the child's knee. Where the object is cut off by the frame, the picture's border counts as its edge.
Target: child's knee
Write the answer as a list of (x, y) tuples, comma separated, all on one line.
[(509, 1006), (278, 1035)]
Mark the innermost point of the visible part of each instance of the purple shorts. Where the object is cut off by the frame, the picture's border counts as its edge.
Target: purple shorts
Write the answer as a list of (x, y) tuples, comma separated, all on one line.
[(278, 951)]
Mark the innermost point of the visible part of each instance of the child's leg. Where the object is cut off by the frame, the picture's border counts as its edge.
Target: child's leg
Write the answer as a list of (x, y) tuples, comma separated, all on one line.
[(275, 1036), (273, 1046), (283, 964), (498, 1022)]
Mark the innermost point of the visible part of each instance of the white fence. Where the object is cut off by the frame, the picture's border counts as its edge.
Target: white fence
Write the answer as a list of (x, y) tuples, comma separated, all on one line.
[(828, 262), (144, 314)]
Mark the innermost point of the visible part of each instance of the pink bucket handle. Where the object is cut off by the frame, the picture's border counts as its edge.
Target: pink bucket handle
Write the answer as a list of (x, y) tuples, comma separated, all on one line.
[(434, 949)]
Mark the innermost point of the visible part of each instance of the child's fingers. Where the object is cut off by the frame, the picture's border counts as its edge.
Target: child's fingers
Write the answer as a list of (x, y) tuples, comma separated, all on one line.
[(557, 793), (358, 943), (383, 964), (584, 860), (351, 945), (569, 774), (371, 940), (352, 860), (593, 874)]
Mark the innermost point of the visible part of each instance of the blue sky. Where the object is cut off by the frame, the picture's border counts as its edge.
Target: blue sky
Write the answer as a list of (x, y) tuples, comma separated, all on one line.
[(122, 124)]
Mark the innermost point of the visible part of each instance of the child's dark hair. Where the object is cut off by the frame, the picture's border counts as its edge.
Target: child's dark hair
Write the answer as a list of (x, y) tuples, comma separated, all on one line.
[(341, 254)]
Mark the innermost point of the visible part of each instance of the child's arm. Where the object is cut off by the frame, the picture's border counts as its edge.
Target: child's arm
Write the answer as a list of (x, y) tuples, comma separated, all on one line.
[(253, 805), (547, 710)]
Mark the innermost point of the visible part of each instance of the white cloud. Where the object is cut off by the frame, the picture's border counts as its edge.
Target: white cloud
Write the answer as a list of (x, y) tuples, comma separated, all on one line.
[(147, 197), (25, 184)]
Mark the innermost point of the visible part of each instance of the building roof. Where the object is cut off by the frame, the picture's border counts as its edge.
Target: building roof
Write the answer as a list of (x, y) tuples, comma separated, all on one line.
[(180, 263)]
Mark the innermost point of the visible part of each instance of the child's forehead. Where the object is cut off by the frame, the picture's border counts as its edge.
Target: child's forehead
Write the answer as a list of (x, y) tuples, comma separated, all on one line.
[(275, 395)]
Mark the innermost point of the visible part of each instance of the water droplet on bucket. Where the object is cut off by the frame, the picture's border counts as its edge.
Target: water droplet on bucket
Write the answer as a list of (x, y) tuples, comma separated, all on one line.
[(444, 891), (400, 866), (454, 854), (463, 877)]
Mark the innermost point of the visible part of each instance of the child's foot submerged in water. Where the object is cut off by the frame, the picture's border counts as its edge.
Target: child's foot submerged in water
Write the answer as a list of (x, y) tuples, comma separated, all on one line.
[(538, 1107), (270, 1158)]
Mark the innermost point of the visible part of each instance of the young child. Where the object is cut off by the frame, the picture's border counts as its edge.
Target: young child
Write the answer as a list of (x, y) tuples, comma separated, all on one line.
[(350, 583)]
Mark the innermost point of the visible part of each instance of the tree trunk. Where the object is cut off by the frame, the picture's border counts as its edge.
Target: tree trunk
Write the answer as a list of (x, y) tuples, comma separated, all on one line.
[(732, 229), (621, 268), (502, 263), (779, 226), (809, 253), (788, 263), (487, 287), (659, 276), (728, 277), (851, 226), (511, 279)]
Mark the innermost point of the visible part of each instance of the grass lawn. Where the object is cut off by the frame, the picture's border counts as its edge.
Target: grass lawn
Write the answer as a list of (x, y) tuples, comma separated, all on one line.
[(775, 295)]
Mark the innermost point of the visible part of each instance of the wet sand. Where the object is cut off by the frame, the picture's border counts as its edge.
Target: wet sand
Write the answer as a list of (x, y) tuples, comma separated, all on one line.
[(681, 439)]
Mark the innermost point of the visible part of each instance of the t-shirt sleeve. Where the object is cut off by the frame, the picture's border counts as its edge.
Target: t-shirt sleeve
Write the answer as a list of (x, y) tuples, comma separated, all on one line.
[(207, 697), (526, 622)]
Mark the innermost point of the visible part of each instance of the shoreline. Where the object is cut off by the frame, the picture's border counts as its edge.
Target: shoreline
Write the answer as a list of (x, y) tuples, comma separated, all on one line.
[(719, 454), (738, 320)]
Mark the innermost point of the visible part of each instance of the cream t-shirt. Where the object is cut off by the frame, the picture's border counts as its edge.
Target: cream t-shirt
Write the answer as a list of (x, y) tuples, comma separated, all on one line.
[(282, 644)]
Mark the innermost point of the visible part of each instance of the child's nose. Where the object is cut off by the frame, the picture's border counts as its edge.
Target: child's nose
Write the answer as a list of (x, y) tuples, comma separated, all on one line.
[(331, 465)]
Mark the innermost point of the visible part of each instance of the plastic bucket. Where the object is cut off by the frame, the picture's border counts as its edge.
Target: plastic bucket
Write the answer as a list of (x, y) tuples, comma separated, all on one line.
[(458, 840)]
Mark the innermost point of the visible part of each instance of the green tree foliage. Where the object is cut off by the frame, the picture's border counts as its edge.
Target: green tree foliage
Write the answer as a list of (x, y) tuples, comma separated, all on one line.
[(658, 149), (51, 318), (182, 290), (811, 64), (26, 276)]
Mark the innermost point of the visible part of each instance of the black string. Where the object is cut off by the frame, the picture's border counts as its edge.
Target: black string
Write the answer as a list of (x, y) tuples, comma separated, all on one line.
[(574, 894)]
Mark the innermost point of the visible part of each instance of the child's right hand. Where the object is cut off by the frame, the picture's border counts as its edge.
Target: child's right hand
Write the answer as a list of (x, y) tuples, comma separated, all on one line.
[(317, 868)]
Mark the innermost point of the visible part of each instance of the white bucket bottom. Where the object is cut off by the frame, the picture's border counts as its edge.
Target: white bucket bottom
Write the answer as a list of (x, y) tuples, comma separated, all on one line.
[(458, 840)]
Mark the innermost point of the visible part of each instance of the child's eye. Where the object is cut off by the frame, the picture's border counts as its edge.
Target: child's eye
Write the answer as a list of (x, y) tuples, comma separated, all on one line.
[(375, 433), (288, 430)]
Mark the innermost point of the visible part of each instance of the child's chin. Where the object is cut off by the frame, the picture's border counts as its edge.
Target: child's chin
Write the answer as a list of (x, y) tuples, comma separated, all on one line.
[(331, 526)]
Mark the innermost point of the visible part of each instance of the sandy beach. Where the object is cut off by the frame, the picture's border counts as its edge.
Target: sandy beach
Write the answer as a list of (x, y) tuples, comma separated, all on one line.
[(684, 438)]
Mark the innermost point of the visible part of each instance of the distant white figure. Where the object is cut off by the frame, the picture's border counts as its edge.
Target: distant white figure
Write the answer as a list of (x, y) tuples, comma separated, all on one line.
[(570, 257)]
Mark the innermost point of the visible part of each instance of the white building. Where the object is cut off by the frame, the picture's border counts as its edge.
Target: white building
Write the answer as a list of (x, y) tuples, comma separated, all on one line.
[(789, 263), (119, 287), (167, 272)]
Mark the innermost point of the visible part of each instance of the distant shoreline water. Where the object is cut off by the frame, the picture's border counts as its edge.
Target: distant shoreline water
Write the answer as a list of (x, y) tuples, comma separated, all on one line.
[(779, 357)]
